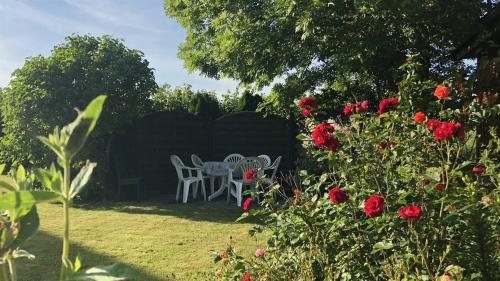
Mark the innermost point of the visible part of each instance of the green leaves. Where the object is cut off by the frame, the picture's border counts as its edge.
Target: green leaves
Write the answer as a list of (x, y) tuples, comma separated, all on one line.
[(79, 130), (381, 246), (81, 179), (20, 203), (51, 178)]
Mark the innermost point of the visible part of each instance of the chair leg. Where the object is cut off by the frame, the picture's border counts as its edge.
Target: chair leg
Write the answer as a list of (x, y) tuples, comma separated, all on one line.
[(185, 193), (228, 192), (195, 190), (239, 196), (178, 190), (212, 183), (203, 190)]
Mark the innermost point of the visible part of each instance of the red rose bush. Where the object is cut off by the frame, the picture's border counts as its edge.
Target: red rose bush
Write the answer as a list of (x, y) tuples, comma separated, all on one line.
[(396, 193)]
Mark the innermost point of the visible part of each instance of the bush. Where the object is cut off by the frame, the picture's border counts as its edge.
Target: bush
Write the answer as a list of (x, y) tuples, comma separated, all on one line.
[(395, 197)]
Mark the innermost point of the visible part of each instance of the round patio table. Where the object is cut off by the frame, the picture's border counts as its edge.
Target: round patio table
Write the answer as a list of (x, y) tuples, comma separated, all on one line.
[(217, 169)]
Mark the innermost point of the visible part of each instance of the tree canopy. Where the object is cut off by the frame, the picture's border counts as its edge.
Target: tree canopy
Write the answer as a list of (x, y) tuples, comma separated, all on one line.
[(348, 47), (44, 91)]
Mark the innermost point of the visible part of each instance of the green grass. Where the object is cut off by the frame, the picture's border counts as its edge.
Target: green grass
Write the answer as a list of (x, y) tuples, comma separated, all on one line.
[(157, 240)]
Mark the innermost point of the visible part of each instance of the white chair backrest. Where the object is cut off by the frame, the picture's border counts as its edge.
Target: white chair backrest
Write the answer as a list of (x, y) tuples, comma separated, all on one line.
[(267, 160), (233, 158), (275, 166), (177, 162), (197, 162), (246, 164)]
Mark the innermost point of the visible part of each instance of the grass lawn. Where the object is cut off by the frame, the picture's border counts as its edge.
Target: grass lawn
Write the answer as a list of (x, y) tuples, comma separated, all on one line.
[(157, 240)]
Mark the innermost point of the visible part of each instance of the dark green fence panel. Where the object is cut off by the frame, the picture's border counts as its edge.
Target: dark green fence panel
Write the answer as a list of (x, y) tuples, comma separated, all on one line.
[(145, 149)]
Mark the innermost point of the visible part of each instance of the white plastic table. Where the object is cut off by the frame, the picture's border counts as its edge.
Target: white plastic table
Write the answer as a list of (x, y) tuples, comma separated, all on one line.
[(217, 169)]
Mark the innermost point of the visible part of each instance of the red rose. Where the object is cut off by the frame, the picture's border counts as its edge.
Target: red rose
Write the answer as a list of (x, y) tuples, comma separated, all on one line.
[(419, 117), (349, 108), (410, 212), (386, 105), (426, 181), (441, 92), (322, 133), (446, 130), (374, 206), (323, 138), (247, 276), (247, 204), (459, 130), (439, 187), (308, 102), (478, 170), (337, 195), (432, 124), (363, 106), (306, 112), (250, 174)]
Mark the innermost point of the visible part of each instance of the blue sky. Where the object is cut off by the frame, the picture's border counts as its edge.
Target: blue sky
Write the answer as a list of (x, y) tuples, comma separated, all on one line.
[(32, 27)]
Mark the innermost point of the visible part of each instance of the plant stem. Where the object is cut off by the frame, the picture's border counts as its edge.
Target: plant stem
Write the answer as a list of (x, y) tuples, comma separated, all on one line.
[(5, 272), (66, 202), (12, 269)]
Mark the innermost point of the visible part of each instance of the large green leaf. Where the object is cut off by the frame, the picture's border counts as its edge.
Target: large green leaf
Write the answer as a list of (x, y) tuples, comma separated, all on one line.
[(79, 130), (114, 272), (8, 184), (20, 203)]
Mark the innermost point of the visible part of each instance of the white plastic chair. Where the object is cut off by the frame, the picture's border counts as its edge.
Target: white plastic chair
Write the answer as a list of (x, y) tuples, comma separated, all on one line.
[(233, 158), (274, 167), (267, 161), (198, 163), (235, 177), (187, 181)]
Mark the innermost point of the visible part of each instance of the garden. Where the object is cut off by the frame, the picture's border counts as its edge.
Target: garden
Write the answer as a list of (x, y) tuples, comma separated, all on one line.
[(391, 171)]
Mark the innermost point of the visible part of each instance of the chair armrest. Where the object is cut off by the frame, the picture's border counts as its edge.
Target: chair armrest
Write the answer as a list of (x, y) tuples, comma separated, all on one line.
[(191, 168)]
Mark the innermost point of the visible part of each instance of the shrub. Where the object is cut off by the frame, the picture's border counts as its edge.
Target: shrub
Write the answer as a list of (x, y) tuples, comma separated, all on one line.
[(395, 200)]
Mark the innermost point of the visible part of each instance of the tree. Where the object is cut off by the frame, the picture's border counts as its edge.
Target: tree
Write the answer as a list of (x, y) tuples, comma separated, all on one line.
[(351, 48), (205, 104), (44, 90), (248, 101), (176, 99)]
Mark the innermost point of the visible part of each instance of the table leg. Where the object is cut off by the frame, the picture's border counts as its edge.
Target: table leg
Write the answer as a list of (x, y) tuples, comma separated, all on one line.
[(219, 191)]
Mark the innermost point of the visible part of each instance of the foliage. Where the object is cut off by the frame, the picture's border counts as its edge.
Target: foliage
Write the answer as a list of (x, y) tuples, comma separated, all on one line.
[(230, 102), (176, 99), (248, 101), (20, 221), (43, 93), (185, 99), (327, 46), (328, 231), (205, 105)]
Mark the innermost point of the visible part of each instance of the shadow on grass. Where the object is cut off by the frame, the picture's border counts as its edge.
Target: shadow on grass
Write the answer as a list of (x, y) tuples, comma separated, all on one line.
[(46, 266), (218, 211)]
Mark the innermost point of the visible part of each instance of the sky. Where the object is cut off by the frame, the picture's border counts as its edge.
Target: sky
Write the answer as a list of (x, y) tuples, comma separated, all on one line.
[(33, 27)]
